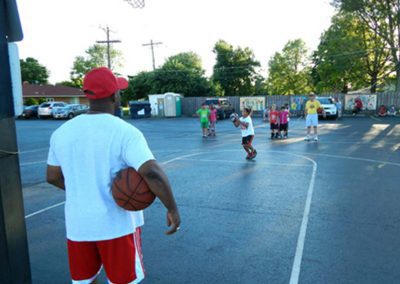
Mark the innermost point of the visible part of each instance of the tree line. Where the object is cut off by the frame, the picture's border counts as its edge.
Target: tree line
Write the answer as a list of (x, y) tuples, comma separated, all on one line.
[(360, 50)]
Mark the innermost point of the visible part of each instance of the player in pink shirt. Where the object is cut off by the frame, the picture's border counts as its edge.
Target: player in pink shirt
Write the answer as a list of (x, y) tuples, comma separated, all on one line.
[(213, 120), (283, 122)]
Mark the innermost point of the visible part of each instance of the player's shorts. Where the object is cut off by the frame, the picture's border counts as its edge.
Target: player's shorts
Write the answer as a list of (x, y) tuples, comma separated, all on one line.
[(121, 258), (274, 126), (204, 124), (312, 120), (247, 140), (283, 127)]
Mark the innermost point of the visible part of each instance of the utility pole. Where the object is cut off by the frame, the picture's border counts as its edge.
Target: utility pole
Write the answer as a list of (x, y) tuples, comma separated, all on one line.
[(108, 42), (152, 44), (14, 255)]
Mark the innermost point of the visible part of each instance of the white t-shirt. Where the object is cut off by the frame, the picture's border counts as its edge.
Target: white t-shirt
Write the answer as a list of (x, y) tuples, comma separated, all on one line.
[(250, 129), (91, 149)]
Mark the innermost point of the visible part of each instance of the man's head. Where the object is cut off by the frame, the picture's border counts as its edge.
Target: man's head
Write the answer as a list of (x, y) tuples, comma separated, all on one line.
[(204, 106), (312, 96), (102, 88)]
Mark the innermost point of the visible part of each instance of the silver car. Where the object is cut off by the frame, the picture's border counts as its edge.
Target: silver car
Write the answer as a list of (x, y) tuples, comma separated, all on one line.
[(70, 111), (46, 109)]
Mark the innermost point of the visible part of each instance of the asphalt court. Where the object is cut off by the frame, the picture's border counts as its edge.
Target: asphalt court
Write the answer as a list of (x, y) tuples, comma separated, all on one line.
[(302, 212)]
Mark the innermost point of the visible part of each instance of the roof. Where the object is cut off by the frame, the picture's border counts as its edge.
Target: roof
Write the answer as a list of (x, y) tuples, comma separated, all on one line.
[(31, 90)]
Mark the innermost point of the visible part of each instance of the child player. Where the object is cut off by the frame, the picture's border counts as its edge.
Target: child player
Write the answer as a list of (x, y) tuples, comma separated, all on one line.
[(246, 126), (283, 122), (273, 120), (311, 112), (213, 120), (204, 113)]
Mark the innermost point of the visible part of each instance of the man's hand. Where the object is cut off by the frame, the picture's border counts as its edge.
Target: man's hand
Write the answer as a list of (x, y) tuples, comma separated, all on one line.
[(173, 221), (159, 185)]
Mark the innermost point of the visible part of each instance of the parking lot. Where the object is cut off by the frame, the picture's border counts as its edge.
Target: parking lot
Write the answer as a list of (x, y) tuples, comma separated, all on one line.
[(301, 212)]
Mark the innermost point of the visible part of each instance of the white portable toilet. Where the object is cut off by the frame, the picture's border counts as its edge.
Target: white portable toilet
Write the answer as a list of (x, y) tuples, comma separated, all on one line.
[(170, 105)]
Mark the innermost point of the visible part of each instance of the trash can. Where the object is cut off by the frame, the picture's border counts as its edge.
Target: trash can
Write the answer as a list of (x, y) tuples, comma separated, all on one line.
[(137, 106)]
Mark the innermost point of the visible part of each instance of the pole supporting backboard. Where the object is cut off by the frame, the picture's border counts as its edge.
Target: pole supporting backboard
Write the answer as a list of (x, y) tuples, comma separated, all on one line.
[(14, 257)]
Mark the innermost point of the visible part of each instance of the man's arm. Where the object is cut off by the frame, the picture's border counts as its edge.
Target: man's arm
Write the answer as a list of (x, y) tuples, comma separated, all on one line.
[(55, 176), (159, 185)]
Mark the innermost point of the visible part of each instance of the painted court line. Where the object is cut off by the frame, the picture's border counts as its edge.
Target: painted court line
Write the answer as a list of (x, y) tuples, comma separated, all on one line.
[(44, 209), (294, 278), (61, 203), (242, 162), (33, 163)]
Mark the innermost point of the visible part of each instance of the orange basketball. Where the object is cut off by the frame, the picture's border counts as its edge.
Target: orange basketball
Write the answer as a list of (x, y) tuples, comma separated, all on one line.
[(320, 110), (130, 191)]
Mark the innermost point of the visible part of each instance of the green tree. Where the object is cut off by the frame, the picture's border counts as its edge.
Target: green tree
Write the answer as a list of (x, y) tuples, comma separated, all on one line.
[(31, 102), (96, 56), (349, 54), (382, 17), (33, 72), (235, 69), (289, 70), (183, 74), (140, 86)]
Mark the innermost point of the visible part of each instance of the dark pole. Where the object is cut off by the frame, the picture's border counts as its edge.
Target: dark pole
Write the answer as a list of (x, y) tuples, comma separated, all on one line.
[(108, 42), (152, 44), (14, 257), (108, 49)]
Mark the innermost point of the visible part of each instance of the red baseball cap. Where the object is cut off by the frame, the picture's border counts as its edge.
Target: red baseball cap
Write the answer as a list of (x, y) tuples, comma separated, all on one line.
[(101, 83)]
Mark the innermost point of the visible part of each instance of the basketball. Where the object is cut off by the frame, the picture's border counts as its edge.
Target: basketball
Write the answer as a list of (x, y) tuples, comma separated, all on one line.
[(130, 191), (233, 117), (320, 110)]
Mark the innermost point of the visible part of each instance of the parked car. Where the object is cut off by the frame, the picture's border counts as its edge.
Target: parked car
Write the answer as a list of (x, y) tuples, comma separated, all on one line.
[(46, 109), (29, 112), (330, 107), (223, 106), (70, 111)]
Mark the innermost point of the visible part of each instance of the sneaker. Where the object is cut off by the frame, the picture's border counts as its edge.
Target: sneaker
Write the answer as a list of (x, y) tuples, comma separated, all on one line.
[(285, 137), (253, 155), (316, 138), (248, 157), (307, 138), (272, 136), (276, 135)]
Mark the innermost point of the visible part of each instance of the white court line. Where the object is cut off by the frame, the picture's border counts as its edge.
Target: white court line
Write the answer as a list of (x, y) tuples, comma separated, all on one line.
[(33, 163), (241, 162), (61, 203), (36, 150), (44, 209), (356, 159)]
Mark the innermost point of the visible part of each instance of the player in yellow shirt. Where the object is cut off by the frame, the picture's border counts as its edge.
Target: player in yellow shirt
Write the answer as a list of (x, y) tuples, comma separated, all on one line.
[(313, 107)]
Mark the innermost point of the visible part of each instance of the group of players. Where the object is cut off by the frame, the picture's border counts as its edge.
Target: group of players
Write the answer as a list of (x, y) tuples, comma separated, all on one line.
[(279, 123)]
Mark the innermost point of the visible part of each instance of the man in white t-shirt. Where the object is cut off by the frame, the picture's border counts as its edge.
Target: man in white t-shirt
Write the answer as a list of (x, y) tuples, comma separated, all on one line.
[(85, 155), (246, 126)]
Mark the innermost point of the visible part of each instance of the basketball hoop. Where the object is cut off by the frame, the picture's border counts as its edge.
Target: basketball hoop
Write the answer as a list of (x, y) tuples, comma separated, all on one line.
[(136, 3)]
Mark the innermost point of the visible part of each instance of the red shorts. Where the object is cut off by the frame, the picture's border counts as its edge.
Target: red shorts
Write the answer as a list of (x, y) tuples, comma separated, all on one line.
[(121, 258)]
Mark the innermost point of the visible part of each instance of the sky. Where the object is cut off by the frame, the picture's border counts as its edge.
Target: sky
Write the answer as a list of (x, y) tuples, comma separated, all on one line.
[(55, 31)]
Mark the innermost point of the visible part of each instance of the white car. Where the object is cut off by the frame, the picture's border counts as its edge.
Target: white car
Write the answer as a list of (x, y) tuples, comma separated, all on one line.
[(46, 109), (329, 105)]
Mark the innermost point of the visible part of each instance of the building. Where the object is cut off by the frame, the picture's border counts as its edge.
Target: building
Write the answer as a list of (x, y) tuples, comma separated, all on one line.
[(52, 93)]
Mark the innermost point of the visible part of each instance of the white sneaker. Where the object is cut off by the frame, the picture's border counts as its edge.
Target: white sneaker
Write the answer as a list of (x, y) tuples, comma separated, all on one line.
[(316, 138), (307, 138)]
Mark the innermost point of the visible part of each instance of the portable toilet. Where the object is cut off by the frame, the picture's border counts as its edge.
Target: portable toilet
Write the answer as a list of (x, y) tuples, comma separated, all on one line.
[(170, 105), (178, 100)]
